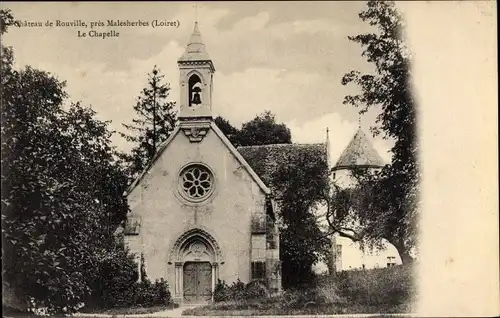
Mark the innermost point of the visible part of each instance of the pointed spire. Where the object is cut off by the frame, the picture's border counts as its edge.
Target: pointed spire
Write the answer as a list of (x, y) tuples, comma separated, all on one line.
[(359, 153), (195, 42), (195, 50)]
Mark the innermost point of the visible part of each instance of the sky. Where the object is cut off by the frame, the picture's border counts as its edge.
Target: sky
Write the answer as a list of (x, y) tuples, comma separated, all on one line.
[(288, 58)]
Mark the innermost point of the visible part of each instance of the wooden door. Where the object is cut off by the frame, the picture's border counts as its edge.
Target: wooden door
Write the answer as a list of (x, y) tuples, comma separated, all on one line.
[(197, 282), (190, 282)]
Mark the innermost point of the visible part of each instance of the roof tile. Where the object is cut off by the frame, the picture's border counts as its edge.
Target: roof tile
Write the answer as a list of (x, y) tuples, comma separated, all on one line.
[(359, 153), (265, 159)]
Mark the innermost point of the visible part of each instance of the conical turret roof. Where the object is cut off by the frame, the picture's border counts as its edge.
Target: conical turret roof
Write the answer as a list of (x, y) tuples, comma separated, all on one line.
[(359, 153), (195, 50)]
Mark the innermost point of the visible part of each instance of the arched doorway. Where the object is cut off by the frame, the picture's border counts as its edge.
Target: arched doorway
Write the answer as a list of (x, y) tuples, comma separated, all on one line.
[(196, 255)]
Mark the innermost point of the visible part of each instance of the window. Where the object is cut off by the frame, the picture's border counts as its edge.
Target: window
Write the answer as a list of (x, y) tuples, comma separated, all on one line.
[(391, 261), (258, 270), (132, 226), (258, 223), (196, 183)]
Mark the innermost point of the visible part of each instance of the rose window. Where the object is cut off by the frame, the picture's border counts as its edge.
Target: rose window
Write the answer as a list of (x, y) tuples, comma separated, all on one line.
[(196, 182)]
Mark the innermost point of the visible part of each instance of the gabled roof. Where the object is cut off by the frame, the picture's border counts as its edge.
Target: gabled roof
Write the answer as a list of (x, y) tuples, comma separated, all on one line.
[(359, 153), (160, 150), (241, 159), (223, 138), (266, 159)]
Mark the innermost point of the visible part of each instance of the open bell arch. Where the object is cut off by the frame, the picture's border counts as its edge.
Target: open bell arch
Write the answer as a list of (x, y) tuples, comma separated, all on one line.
[(195, 88)]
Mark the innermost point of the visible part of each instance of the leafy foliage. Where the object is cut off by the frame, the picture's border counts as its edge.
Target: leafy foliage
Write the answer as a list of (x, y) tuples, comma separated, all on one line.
[(149, 294), (156, 119), (116, 274), (117, 285), (263, 130), (61, 190), (123, 294), (390, 208), (302, 182), (6, 20), (239, 291), (298, 177), (232, 133)]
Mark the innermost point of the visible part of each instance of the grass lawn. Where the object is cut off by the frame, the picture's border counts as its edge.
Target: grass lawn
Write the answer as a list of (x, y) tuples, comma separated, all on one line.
[(377, 291), (268, 307)]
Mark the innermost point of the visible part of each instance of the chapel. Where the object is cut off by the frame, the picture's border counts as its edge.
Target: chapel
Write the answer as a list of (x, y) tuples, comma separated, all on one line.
[(200, 212), (204, 211)]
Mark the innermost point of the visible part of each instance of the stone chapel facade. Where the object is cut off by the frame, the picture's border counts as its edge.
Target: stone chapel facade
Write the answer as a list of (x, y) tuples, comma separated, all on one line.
[(199, 212)]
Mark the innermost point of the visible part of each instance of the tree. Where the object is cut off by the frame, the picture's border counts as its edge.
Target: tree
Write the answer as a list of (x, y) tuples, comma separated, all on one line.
[(298, 181), (263, 130), (301, 178), (7, 58), (386, 203), (232, 133), (61, 190), (156, 119), (6, 20)]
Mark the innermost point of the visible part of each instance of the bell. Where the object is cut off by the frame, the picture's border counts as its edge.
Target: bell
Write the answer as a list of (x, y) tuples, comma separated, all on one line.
[(196, 99)]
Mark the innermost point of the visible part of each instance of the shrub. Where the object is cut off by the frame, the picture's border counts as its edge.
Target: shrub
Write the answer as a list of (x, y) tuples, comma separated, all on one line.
[(256, 290), (137, 294), (117, 285), (221, 291), (239, 291), (116, 275), (147, 294)]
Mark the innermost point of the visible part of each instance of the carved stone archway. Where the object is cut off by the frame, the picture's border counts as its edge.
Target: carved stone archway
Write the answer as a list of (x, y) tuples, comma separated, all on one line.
[(194, 245)]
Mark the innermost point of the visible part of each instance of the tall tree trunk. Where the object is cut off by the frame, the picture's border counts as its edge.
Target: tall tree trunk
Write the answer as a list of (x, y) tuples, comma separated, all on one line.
[(332, 264), (406, 258), (404, 253)]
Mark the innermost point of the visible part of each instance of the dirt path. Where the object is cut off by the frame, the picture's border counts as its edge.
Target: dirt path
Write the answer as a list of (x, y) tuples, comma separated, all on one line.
[(176, 312)]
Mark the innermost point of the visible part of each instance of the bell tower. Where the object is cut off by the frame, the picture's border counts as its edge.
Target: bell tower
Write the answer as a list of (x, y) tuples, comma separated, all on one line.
[(196, 80)]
